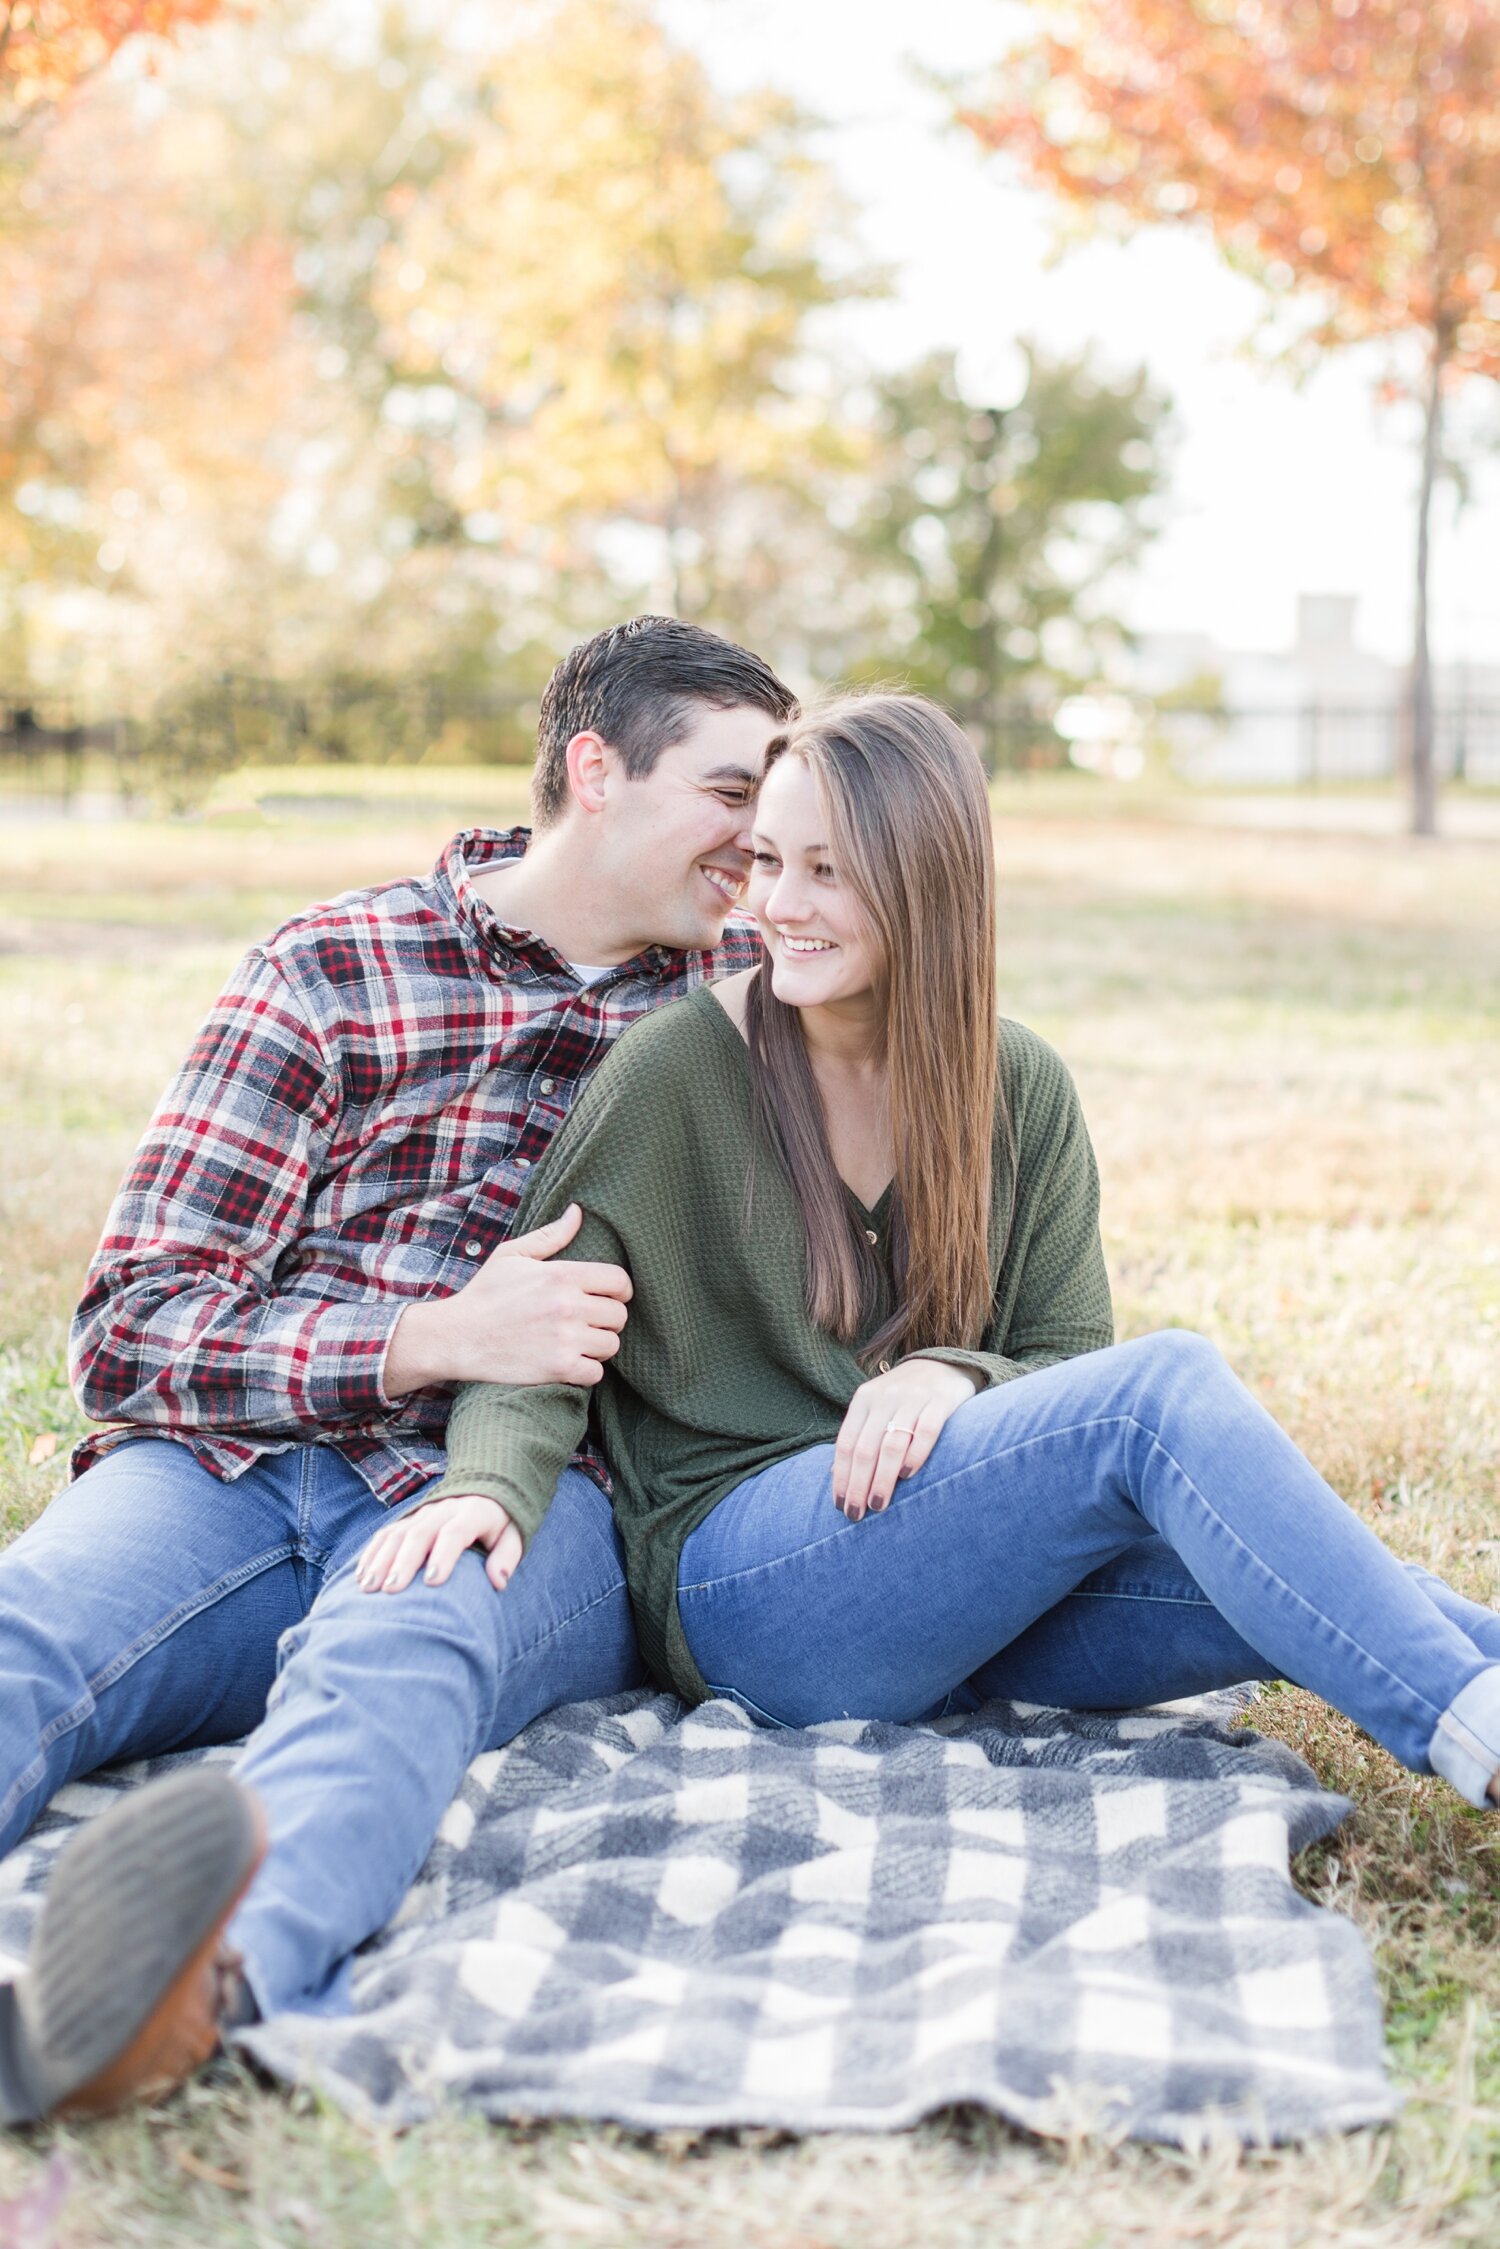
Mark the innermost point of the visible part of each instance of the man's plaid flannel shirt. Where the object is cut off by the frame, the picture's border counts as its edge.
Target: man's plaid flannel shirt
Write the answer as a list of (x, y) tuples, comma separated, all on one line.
[(351, 1131)]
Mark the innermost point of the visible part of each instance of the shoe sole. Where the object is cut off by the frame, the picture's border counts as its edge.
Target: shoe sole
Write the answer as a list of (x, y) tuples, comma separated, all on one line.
[(170, 1863)]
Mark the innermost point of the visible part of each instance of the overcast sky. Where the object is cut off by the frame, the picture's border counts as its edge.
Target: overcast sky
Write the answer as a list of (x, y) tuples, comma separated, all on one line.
[(1276, 491)]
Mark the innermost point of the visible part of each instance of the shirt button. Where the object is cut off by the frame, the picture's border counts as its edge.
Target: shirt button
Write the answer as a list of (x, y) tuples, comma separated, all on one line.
[(472, 1249), (870, 1235), (549, 1085), (885, 1366), (523, 1163)]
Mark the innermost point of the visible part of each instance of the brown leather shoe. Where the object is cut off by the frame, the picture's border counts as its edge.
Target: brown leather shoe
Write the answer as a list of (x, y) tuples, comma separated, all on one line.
[(124, 1993)]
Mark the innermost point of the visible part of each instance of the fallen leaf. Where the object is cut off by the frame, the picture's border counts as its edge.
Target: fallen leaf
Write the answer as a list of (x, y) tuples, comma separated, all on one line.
[(42, 1448), (196, 2168)]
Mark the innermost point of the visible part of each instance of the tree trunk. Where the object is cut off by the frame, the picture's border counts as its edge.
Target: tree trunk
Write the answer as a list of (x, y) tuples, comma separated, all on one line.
[(992, 666), (1421, 726)]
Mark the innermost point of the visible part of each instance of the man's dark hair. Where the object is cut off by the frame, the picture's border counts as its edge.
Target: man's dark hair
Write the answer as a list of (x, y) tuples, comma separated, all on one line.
[(635, 686)]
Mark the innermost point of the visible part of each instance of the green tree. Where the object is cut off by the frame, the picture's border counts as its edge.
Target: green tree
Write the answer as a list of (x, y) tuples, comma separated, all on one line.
[(603, 304), (991, 533)]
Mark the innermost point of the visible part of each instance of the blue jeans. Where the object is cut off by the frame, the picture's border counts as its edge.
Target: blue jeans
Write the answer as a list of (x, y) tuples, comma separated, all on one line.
[(153, 1608), (803, 1615)]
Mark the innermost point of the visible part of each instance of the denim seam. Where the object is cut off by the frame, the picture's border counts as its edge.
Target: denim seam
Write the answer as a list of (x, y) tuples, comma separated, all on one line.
[(1473, 1745), (34, 1771), (66, 1720), (1100, 1421), (307, 1500), (1124, 1593), (129, 1657), (738, 1695)]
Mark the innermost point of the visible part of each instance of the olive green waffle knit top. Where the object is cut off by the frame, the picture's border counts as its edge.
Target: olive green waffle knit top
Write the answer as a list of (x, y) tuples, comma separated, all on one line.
[(721, 1372)]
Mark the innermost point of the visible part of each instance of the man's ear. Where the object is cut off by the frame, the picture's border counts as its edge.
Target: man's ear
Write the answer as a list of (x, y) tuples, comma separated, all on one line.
[(589, 760)]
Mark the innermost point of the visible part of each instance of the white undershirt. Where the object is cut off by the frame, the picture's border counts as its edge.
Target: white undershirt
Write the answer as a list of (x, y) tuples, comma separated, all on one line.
[(587, 975)]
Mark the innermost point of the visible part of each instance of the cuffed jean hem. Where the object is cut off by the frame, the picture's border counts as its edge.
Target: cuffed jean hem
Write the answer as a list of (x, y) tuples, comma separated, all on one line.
[(1465, 1746)]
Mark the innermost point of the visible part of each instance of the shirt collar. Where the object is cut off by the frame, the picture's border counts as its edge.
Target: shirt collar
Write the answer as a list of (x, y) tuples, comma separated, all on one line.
[(471, 851)]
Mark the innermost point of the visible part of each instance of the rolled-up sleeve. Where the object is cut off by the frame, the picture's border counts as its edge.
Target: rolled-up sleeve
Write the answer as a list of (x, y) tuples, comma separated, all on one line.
[(181, 1324)]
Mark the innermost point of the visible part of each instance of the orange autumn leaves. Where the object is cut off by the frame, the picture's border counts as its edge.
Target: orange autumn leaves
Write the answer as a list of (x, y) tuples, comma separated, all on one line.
[(144, 373), (1349, 145), (46, 46)]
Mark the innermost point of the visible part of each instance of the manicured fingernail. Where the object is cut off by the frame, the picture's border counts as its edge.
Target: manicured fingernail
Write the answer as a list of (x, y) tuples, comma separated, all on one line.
[(503, 1580)]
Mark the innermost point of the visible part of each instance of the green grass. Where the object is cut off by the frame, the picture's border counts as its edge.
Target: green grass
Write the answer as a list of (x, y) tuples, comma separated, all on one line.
[(1289, 1052)]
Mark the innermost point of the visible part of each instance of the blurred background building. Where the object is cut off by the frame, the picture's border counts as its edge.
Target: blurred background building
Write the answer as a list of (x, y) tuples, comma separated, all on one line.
[(1325, 709)]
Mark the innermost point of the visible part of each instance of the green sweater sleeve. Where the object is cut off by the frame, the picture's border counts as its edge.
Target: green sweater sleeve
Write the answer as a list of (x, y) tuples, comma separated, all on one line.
[(511, 1441), (1052, 1297)]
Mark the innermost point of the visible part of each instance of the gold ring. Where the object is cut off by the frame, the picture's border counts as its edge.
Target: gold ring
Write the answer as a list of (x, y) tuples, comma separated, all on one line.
[(899, 1428)]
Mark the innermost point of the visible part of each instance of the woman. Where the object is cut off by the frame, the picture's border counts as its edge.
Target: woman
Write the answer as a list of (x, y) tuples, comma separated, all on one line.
[(875, 1452)]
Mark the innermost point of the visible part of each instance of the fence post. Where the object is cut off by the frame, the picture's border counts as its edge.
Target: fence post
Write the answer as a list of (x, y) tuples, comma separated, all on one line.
[(1310, 722)]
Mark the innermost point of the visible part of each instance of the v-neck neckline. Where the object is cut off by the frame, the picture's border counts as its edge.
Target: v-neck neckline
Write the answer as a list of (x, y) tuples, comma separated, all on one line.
[(871, 1211)]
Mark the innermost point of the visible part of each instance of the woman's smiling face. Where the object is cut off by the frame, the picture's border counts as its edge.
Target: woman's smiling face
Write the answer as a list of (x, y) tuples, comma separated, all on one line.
[(818, 940)]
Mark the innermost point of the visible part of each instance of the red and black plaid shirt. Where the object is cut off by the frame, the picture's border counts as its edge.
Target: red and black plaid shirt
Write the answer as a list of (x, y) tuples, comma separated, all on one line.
[(351, 1131)]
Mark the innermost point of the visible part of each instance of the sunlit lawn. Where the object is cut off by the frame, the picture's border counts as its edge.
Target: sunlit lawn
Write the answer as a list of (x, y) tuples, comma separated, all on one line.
[(1290, 1054)]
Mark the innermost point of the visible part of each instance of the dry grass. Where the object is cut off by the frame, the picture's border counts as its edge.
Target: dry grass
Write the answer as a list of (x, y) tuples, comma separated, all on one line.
[(1288, 1049)]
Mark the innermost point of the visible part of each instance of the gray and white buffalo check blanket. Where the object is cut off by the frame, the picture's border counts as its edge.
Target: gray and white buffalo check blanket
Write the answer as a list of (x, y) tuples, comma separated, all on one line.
[(677, 1919)]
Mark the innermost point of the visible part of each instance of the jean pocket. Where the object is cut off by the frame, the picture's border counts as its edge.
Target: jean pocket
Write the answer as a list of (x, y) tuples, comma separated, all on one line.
[(751, 1709)]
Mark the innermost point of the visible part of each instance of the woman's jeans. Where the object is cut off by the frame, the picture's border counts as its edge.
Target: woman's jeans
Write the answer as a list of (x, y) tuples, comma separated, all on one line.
[(801, 1615)]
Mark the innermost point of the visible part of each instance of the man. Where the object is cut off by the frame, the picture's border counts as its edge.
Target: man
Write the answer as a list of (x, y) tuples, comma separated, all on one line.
[(310, 1249)]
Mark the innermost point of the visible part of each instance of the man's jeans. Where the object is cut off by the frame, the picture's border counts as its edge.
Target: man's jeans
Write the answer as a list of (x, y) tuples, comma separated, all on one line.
[(803, 1615), (143, 1613)]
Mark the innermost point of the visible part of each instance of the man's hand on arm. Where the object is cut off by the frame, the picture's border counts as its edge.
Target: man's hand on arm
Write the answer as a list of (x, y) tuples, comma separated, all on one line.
[(521, 1319)]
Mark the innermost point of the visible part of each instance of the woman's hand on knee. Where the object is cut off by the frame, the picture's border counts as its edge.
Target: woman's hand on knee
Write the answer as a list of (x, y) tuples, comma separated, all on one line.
[(892, 1424), (431, 1539)]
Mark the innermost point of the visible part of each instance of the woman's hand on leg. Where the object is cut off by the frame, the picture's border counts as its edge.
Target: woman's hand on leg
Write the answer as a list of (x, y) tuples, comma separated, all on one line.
[(892, 1423), (431, 1539)]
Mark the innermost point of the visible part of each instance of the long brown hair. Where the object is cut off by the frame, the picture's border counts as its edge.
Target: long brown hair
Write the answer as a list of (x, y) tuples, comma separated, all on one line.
[(903, 792)]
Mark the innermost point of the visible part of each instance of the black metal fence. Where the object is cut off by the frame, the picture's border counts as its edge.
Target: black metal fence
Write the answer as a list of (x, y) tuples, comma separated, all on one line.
[(53, 752), (52, 749)]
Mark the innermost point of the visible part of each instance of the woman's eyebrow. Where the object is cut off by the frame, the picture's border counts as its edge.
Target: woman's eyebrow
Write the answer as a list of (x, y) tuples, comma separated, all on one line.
[(813, 850)]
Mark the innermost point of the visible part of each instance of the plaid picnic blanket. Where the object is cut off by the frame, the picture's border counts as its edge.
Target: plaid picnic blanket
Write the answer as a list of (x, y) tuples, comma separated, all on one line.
[(677, 1919)]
